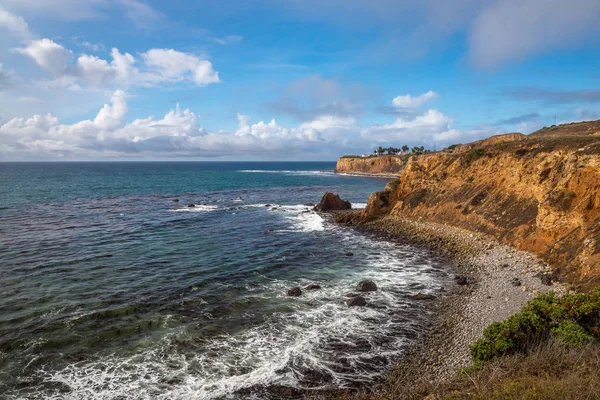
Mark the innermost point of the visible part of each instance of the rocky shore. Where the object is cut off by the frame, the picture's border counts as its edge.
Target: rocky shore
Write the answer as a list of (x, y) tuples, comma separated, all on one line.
[(493, 281)]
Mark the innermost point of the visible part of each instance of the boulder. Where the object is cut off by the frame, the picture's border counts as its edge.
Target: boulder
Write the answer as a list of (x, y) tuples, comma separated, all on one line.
[(332, 202), (294, 292), (515, 282), (313, 286), (366, 286), (352, 295), (461, 280), (357, 301)]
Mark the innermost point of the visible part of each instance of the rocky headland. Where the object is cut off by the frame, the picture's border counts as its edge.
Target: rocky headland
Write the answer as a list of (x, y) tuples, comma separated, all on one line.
[(518, 214)]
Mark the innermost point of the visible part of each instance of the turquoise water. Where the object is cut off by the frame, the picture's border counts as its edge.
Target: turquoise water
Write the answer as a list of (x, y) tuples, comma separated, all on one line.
[(111, 289)]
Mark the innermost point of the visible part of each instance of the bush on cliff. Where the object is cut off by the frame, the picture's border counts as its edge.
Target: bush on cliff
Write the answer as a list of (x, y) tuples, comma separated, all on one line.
[(474, 155), (573, 320)]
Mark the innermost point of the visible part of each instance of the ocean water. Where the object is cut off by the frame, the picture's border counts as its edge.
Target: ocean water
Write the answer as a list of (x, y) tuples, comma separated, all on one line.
[(111, 290)]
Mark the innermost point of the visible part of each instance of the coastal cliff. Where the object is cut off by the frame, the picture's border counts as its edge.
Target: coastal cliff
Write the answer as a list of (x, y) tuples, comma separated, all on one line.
[(538, 192), (390, 165)]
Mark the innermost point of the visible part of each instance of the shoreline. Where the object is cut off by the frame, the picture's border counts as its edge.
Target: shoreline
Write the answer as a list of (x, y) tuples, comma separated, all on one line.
[(366, 174), (500, 281)]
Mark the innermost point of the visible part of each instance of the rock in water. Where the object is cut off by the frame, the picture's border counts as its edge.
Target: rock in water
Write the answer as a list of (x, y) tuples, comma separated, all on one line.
[(357, 301), (313, 286), (366, 286), (461, 280), (294, 292), (332, 202), (191, 205)]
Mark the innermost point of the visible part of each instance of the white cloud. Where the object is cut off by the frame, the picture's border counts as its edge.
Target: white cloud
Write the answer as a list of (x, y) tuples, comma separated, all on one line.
[(409, 102), (159, 66), (175, 66), (509, 30), (227, 40), (14, 24), (179, 133), (50, 56)]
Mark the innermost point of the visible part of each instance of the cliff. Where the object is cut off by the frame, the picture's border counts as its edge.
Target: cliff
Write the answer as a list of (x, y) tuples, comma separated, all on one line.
[(374, 165), (539, 193)]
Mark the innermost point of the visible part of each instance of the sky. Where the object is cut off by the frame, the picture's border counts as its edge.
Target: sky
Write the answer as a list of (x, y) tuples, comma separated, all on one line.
[(286, 79)]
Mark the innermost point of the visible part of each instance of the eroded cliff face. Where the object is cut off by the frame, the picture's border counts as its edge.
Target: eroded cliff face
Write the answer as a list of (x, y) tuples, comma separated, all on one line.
[(540, 194), (381, 165)]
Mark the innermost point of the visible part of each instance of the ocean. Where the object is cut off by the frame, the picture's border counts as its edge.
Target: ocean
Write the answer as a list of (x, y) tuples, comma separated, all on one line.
[(110, 289)]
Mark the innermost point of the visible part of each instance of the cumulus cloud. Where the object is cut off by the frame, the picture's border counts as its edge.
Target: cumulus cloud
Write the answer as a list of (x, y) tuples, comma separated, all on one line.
[(159, 66), (179, 134), (409, 102), (49, 55), (174, 66), (13, 24)]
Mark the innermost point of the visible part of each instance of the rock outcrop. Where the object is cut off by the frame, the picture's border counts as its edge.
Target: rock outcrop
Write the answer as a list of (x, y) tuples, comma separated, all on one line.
[(332, 202), (372, 165), (539, 193)]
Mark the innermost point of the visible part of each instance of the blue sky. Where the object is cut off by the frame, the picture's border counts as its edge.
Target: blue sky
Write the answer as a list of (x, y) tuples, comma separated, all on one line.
[(279, 80)]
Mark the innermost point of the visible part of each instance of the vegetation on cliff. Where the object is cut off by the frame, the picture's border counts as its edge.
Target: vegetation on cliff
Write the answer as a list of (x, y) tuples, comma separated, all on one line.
[(573, 320), (550, 350)]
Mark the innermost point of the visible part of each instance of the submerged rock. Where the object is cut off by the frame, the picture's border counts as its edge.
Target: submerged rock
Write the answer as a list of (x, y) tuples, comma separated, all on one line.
[(366, 286), (313, 286), (191, 205), (175, 200), (331, 202), (357, 301), (294, 292)]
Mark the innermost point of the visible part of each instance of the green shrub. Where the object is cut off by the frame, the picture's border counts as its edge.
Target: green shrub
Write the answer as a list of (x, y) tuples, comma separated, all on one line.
[(474, 154), (572, 320), (572, 334)]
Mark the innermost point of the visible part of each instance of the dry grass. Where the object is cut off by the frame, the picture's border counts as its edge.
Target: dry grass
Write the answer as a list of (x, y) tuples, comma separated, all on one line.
[(550, 372)]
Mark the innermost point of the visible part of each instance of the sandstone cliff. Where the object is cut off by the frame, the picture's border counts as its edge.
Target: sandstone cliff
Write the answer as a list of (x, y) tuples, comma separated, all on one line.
[(381, 165), (539, 193)]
